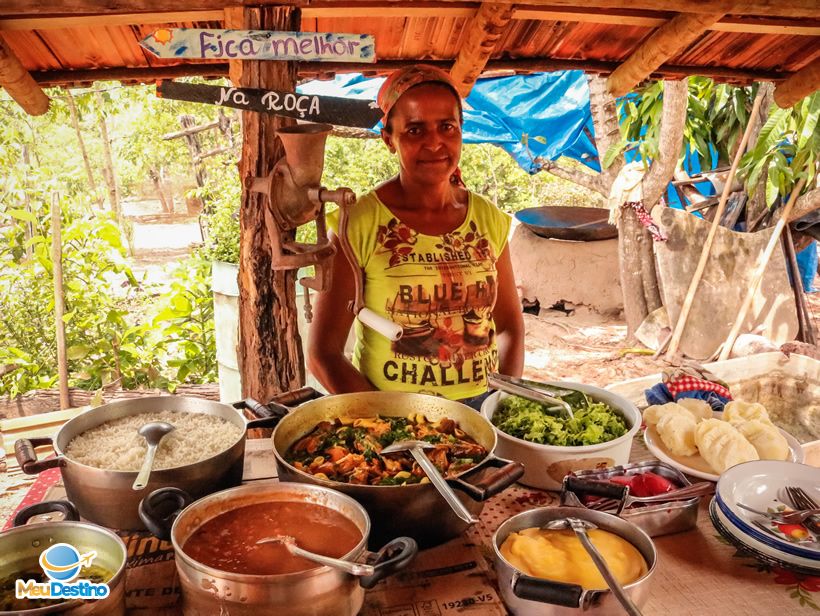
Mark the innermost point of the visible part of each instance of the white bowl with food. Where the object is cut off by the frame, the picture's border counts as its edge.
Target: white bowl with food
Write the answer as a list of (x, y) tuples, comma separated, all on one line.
[(527, 433)]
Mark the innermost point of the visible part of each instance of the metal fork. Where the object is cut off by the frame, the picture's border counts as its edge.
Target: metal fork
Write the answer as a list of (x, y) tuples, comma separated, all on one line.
[(790, 517), (801, 500)]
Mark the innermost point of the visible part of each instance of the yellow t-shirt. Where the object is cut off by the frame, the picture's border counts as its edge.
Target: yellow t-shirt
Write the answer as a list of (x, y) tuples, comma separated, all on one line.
[(441, 289)]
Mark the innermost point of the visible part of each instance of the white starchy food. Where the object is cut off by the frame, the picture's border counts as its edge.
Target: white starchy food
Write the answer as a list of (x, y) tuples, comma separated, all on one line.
[(699, 408), (722, 446), (117, 444), (677, 431), (736, 412), (652, 415), (766, 439)]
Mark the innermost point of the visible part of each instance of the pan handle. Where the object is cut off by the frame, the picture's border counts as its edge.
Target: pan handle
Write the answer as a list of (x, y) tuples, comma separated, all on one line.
[(270, 414), (489, 483), (545, 591), (393, 557), (160, 508), (67, 508), (27, 457), (594, 487)]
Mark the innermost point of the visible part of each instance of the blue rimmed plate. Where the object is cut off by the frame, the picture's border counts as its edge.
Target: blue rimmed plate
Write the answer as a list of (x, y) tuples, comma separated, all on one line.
[(761, 485), (754, 548)]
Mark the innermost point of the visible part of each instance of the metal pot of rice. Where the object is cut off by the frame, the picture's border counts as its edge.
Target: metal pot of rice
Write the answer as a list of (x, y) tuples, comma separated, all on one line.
[(100, 452)]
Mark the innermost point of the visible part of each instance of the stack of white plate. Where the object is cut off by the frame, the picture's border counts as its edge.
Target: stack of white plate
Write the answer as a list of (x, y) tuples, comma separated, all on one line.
[(761, 485)]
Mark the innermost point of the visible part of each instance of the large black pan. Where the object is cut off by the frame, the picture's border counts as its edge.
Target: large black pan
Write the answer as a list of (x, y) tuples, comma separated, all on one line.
[(583, 224)]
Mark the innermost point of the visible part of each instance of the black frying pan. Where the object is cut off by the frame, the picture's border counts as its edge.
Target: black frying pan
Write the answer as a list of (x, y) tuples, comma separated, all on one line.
[(583, 224)]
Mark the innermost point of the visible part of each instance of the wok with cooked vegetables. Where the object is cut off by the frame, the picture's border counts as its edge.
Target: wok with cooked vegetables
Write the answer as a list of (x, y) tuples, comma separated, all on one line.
[(347, 450)]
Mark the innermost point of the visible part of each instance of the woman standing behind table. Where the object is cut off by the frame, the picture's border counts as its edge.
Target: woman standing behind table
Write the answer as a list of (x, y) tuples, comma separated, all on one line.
[(435, 259)]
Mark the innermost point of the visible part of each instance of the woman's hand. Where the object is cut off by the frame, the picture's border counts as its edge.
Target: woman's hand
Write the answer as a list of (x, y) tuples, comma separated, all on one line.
[(509, 322), (329, 330)]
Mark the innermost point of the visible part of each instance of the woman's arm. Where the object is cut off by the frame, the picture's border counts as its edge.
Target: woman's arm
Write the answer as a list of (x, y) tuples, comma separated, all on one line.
[(509, 322), (329, 329)]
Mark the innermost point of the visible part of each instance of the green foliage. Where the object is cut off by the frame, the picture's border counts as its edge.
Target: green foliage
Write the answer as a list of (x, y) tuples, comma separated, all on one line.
[(787, 150), (186, 320)]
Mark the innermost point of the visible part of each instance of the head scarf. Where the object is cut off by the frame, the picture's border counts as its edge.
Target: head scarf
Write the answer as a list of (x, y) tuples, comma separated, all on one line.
[(403, 79)]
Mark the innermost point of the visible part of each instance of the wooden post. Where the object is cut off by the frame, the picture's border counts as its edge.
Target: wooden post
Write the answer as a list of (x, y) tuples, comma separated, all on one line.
[(759, 270), (20, 84), (28, 232), (270, 348), (485, 30), (677, 333), (59, 305), (108, 161), (75, 121), (806, 333)]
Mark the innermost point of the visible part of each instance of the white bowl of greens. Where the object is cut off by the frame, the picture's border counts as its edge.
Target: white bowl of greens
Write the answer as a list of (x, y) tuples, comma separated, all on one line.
[(551, 445)]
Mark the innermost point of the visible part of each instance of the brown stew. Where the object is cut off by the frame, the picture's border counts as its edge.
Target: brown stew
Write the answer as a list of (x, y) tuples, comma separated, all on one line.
[(228, 542), (347, 450)]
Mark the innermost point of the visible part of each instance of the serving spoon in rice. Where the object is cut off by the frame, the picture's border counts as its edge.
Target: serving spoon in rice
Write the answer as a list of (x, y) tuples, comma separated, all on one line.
[(153, 432)]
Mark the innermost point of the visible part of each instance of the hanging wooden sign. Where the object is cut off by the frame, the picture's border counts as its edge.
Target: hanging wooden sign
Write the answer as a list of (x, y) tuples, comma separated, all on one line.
[(260, 45), (309, 107)]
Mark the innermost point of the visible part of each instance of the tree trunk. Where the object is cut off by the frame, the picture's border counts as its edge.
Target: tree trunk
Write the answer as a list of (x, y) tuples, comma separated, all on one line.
[(75, 121), (636, 254), (157, 181), (108, 163), (607, 132), (270, 348), (28, 227), (756, 206)]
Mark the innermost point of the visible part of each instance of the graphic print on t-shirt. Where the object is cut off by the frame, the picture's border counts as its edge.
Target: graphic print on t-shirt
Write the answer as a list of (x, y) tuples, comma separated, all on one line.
[(444, 297)]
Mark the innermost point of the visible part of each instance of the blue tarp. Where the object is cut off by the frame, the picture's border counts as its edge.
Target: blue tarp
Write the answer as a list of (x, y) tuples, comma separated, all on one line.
[(547, 111)]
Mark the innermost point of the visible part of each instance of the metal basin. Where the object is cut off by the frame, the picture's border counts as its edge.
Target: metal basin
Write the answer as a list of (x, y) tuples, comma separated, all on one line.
[(582, 224)]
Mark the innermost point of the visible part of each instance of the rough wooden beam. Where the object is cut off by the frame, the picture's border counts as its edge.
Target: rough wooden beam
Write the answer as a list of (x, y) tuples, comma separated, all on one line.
[(799, 85), (533, 65), (771, 8), (19, 84), (142, 74), (482, 37), (667, 41), (36, 22)]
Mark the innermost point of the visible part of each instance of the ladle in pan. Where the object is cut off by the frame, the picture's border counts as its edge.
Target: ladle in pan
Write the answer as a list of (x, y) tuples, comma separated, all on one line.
[(352, 568), (580, 527), (416, 449)]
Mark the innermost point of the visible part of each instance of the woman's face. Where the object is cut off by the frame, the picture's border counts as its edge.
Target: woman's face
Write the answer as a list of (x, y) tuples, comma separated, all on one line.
[(425, 132)]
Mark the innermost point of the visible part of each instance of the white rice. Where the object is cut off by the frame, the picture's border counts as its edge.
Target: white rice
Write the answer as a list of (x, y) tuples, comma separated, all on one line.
[(117, 445)]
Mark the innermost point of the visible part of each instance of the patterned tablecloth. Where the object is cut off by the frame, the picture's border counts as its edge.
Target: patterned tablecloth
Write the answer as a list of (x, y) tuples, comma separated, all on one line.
[(699, 573)]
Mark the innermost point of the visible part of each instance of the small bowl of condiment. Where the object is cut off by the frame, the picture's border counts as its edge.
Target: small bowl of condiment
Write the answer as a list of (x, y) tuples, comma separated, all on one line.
[(545, 572)]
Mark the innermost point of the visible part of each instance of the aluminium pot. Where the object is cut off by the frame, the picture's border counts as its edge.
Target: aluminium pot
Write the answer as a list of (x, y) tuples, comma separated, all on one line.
[(20, 549), (319, 591), (416, 510), (525, 595), (105, 497)]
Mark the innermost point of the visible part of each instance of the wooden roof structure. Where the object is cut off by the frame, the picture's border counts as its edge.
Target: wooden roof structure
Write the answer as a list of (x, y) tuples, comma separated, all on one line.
[(75, 42)]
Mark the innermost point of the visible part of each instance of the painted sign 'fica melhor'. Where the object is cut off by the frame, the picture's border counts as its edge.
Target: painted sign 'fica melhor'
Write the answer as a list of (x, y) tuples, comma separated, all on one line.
[(260, 45)]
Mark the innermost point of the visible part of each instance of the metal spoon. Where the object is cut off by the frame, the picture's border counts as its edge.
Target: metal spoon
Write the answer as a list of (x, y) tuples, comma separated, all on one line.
[(580, 527), (416, 450), (152, 432), (345, 565), (523, 389)]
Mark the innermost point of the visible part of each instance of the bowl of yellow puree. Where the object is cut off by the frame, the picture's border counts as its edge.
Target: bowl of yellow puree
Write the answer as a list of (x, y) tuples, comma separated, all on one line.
[(548, 572)]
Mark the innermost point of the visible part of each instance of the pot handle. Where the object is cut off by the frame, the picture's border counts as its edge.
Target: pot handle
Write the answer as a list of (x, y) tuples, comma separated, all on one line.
[(27, 457), (393, 557), (160, 508), (594, 487), (270, 414), (67, 508), (544, 591), (489, 483)]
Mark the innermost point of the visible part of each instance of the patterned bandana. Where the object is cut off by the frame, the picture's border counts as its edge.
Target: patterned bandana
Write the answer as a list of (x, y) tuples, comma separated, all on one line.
[(403, 79)]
